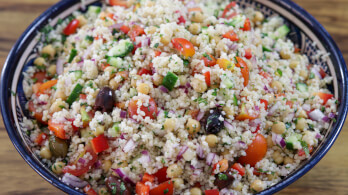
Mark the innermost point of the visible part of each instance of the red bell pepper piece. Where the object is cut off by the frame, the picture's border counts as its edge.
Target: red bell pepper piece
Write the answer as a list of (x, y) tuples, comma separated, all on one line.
[(100, 143)]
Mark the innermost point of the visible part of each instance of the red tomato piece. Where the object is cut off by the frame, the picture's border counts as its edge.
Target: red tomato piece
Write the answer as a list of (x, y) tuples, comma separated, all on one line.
[(324, 96), (83, 96), (184, 47), (47, 86), (71, 28), (41, 138), (223, 166), (57, 129), (231, 35), (227, 8), (40, 77), (264, 102), (209, 60), (244, 70), (125, 29), (207, 78), (89, 190), (297, 50), (157, 53), (100, 143), (150, 111), (290, 103), (244, 114), (144, 71), (247, 25), (142, 189), (238, 167), (37, 115), (147, 177), (80, 168), (165, 188), (135, 31), (248, 55), (255, 152), (181, 20), (266, 76), (121, 3), (161, 175), (322, 72), (301, 152), (212, 192)]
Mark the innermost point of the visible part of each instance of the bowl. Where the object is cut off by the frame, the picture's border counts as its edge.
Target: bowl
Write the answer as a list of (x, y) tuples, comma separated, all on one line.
[(307, 33)]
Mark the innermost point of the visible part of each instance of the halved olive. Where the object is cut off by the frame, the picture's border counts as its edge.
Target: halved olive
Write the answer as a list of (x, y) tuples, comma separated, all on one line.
[(58, 147)]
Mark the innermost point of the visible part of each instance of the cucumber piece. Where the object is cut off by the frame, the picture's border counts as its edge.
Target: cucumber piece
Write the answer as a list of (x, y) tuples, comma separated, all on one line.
[(281, 32), (115, 61), (290, 142), (84, 115), (265, 49), (227, 82), (74, 94), (132, 92), (115, 130), (123, 48), (302, 87), (78, 74), (73, 53), (93, 9), (169, 81), (235, 100)]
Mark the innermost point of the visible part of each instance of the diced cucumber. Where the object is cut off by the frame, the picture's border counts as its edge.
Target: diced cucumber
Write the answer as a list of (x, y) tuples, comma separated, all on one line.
[(302, 87), (86, 133), (73, 53), (237, 21), (290, 142), (115, 61), (78, 74), (227, 82), (235, 100), (169, 81), (114, 131), (123, 48), (94, 9), (84, 115), (265, 49), (132, 92), (281, 32), (74, 94)]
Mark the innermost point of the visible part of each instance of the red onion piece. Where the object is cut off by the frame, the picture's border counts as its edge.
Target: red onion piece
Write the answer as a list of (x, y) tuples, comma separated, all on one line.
[(228, 125), (255, 123), (326, 119), (73, 181), (241, 144), (318, 136), (278, 140), (116, 26), (257, 108), (197, 172), (273, 108), (306, 107), (81, 160), (145, 158), (146, 42), (123, 175), (130, 146), (59, 66), (200, 115), (123, 114), (163, 89), (316, 115), (210, 158), (122, 136), (200, 152), (331, 115), (98, 164), (181, 152)]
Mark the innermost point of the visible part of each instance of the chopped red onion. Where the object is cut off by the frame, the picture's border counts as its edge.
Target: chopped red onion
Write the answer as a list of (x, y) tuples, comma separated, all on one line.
[(188, 85), (123, 114), (326, 119), (116, 26), (278, 140), (98, 164), (210, 158), (200, 152), (331, 115), (255, 123), (228, 125), (197, 172), (146, 42), (163, 89), (59, 66), (306, 107), (273, 108), (73, 180), (122, 136), (123, 175), (316, 115), (254, 60), (241, 144), (181, 152), (191, 4), (318, 136), (257, 108), (200, 115), (82, 160), (130, 146), (145, 158)]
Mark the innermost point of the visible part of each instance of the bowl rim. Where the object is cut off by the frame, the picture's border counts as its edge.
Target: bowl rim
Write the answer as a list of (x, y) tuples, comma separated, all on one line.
[(54, 10)]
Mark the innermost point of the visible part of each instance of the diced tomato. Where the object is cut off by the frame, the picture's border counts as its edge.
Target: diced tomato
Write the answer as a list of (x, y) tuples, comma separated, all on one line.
[(89, 190), (57, 129), (255, 152), (256, 130), (193, 113), (104, 65), (209, 60), (41, 138), (197, 185), (231, 35), (297, 50), (125, 29), (225, 64), (165, 188), (244, 70), (161, 175), (181, 20), (136, 47), (248, 55), (37, 115), (184, 46), (150, 111), (279, 95), (72, 26), (238, 167), (121, 3), (78, 169), (247, 25), (324, 96), (142, 189), (290, 103), (136, 31), (207, 78), (40, 77), (244, 114), (83, 96), (322, 72), (100, 143), (157, 53), (227, 8), (256, 172), (301, 152), (46, 86), (266, 75), (223, 166), (194, 9), (264, 102), (212, 192), (147, 177), (144, 71)]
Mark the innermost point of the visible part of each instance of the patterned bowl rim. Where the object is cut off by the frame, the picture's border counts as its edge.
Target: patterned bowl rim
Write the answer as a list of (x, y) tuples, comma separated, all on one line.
[(286, 5)]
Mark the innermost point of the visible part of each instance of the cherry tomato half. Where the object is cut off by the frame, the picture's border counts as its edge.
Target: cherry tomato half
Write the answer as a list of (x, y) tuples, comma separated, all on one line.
[(184, 46), (255, 152), (150, 110)]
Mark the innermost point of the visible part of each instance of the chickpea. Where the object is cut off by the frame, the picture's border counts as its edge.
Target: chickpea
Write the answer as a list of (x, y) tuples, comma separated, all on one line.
[(195, 191), (268, 125), (288, 160), (178, 182), (114, 84), (199, 85), (157, 79), (193, 126), (48, 49), (294, 64), (277, 157), (269, 141), (143, 88), (197, 17), (107, 165), (195, 28), (189, 154), (183, 80), (257, 185), (302, 114), (103, 191), (277, 85), (99, 130), (174, 171), (40, 61), (238, 187), (57, 167), (258, 17), (111, 71), (278, 127), (169, 124), (304, 74), (270, 98), (272, 176), (229, 112), (51, 70), (211, 140), (301, 124), (194, 41), (134, 80), (45, 153), (57, 106), (165, 40), (285, 54), (225, 152)]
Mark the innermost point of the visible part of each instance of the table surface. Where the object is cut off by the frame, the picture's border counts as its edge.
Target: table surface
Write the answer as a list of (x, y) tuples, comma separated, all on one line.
[(329, 176)]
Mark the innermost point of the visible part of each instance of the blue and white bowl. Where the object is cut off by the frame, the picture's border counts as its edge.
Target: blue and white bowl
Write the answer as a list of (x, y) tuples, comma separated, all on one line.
[(307, 33)]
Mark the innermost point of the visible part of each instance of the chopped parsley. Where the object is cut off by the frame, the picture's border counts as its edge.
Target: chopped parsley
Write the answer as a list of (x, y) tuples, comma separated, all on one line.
[(207, 56), (186, 62), (222, 176), (89, 38), (165, 191)]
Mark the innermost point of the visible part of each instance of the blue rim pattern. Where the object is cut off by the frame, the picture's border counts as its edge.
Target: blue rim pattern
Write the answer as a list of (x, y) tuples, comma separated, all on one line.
[(41, 21)]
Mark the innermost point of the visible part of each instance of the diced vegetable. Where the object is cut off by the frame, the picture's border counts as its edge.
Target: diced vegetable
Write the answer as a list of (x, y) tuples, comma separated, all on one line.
[(135, 31), (235, 100), (83, 167), (114, 131), (150, 110), (121, 3), (184, 46), (212, 192), (100, 143), (142, 189), (244, 115), (73, 53), (57, 129), (231, 35), (225, 64), (169, 81), (161, 175), (74, 94), (247, 25), (115, 61), (238, 167), (291, 141), (227, 82), (47, 86), (209, 60), (145, 71), (40, 77), (125, 29), (324, 96), (207, 78), (84, 114), (71, 28), (40, 138), (88, 188), (248, 54), (255, 152), (222, 164), (165, 188), (302, 87), (244, 70), (227, 9), (37, 115), (262, 101), (148, 178), (123, 48), (281, 32), (94, 9), (265, 49)]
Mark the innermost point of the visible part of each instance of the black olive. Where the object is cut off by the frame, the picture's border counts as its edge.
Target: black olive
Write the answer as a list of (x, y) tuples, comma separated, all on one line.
[(58, 147), (118, 187), (223, 180), (105, 100), (213, 123)]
